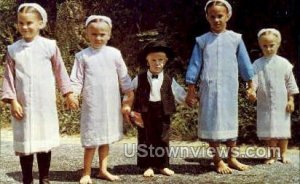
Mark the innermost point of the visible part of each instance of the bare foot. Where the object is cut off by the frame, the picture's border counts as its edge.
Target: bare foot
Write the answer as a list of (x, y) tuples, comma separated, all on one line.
[(149, 173), (271, 160), (222, 168), (85, 180), (285, 160), (235, 164), (108, 176), (167, 171)]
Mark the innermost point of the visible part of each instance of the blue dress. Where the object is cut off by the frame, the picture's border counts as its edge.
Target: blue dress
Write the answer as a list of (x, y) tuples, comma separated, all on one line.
[(217, 59)]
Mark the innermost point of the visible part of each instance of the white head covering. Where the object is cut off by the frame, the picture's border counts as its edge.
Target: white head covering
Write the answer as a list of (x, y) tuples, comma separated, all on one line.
[(272, 30), (99, 17), (40, 9), (228, 6)]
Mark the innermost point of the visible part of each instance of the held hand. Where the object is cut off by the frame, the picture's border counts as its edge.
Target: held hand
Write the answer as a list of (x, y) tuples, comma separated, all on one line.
[(126, 109), (191, 99), (251, 95), (71, 101), (16, 110), (290, 107)]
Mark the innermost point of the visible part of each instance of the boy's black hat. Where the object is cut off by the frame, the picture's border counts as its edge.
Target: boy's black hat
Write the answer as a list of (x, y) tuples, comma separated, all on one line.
[(155, 46)]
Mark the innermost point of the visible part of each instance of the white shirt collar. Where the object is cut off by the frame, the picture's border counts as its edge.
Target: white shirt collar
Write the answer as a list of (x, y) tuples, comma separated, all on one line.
[(160, 75)]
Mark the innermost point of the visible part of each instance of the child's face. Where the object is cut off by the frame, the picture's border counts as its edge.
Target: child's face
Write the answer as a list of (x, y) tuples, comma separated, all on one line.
[(269, 44), (217, 17), (156, 61), (29, 25), (98, 34)]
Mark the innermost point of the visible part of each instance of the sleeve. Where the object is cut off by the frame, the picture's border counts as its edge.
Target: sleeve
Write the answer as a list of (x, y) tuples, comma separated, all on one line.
[(178, 92), (135, 83), (255, 76), (8, 86), (124, 78), (194, 66), (244, 63), (60, 72), (290, 82), (77, 76)]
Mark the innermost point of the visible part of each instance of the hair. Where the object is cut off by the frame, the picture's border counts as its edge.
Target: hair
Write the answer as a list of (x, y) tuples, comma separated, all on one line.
[(30, 9), (98, 20), (268, 32), (216, 3)]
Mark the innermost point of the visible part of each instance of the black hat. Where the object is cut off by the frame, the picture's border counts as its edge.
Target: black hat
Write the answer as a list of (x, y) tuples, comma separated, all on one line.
[(155, 46)]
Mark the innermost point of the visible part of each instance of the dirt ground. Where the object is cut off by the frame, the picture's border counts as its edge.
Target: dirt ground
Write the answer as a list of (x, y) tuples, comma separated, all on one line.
[(190, 163)]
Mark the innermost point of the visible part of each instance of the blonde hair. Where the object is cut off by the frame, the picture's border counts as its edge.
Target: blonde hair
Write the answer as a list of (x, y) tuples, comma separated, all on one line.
[(36, 9), (268, 31)]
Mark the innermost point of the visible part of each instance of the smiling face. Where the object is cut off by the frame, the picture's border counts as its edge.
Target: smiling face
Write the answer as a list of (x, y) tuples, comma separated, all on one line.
[(156, 61), (217, 17), (269, 44), (29, 25), (98, 34)]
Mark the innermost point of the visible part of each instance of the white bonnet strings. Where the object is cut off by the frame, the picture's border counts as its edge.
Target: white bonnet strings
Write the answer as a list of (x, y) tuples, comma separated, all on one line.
[(271, 30), (39, 8), (98, 17), (228, 6)]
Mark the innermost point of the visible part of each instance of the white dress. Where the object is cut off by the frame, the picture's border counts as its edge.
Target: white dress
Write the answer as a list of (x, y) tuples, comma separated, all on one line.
[(30, 74), (274, 81), (98, 75)]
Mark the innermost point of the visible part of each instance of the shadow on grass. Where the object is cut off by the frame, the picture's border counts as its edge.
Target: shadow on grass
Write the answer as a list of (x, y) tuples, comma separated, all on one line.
[(63, 176), (207, 163), (193, 166)]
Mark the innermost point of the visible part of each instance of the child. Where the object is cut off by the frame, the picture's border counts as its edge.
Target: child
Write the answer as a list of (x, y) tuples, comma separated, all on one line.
[(218, 56), (275, 85), (155, 92), (98, 73), (32, 66)]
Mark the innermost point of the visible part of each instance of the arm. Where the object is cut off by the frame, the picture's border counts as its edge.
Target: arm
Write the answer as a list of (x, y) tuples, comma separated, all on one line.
[(124, 78), (290, 107), (9, 91), (128, 101), (244, 63), (178, 92), (292, 89), (8, 86), (251, 94), (63, 80), (192, 75)]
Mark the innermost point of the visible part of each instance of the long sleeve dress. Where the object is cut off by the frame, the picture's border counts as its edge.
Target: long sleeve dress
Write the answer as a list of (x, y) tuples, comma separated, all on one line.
[(274, 81), (98, 75), (30, 73), (217, 59)]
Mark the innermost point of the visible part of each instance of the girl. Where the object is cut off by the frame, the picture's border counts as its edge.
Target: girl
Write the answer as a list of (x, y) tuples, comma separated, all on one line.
[(275, 85), (155, 95), (98, 73), (218, 56), (32, 65)]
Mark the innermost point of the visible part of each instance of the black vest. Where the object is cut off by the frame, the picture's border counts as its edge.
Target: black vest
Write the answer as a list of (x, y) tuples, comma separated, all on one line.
[(142, 95)]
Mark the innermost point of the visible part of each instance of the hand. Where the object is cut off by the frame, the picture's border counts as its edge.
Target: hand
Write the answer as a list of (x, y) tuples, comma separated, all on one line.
[(251, 95), (16, 110), (71, 101), (191, 99), (126, 109), (290, 107)]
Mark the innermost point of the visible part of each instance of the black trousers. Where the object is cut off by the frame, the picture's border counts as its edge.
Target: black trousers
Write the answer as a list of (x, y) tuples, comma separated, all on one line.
[(153, 139), (43, 160)]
